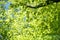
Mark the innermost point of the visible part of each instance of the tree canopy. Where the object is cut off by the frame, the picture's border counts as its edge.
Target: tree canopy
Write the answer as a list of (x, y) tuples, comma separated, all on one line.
[(29, 20)]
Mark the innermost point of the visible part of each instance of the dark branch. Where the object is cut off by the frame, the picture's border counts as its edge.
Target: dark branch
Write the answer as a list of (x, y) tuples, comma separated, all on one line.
[(40, 5)]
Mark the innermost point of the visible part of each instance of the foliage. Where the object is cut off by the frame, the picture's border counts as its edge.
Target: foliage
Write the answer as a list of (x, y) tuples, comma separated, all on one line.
[(19, 22)]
